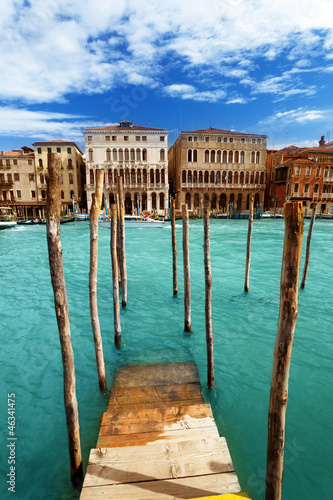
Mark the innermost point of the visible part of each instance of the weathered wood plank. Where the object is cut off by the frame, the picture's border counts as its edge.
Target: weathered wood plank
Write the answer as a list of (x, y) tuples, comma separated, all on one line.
[(156, 419), (159, 374), (161, 461), (153, 437), (155, 394), (171, 489)]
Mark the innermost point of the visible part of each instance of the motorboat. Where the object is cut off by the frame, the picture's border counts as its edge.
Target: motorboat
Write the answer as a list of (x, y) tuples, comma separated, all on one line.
[(81, 216), (7, 218), (134, 221)]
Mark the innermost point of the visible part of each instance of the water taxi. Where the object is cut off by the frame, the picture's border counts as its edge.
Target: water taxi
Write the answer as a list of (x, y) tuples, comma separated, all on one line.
[(7, 218)]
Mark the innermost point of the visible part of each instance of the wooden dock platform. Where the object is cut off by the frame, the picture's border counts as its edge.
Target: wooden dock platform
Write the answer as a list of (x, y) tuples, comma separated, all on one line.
[(158, 440)]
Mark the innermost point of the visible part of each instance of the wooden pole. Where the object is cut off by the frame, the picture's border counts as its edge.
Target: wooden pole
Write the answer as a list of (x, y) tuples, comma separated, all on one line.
[(187, 280), (115, 279), (248, 247), (94, 215), (122, 252), (308, 243), (208, 302), (53, 205), (293, 216), (174, 247)]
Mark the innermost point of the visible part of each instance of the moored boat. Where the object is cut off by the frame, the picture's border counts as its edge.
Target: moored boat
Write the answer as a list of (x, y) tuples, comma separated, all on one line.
[(67, 218), (134, 221), (7, 218), (81, 216)]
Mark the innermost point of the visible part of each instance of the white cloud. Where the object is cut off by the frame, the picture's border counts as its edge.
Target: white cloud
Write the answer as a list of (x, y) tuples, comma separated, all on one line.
[(300, 115), (184, 91), (50, 48), (41, 125)]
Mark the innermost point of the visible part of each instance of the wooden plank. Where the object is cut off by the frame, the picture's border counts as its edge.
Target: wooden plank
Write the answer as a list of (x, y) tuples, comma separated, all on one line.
[(228, 496), (161, 461), (155, 394), (152, 437), (159, 374), (184, 488)]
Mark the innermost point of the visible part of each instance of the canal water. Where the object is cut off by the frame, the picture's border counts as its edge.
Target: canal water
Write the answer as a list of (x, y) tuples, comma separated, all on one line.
[(245, 328)]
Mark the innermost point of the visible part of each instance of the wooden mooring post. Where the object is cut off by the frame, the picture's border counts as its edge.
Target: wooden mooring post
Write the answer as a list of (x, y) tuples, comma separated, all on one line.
[(293, 216), (53, 206), (186, 262), (208, 302), (174, 247), (94, 215), (308, 244), (115, 278), (248, 246), (122, 252)]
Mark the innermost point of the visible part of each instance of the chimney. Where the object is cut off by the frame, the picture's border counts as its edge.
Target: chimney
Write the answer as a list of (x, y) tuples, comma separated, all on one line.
[(322, 141)]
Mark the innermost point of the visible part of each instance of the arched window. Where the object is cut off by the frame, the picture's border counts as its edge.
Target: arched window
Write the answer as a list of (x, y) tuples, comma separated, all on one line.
[(144, 155), (224, 177), (121, 156), (144, 202), (162, 155), (213, 202), (230, 160), (138, 155), (212, 156), (184, 176), (71, 179), (223, 202), (232, 198), (41, 178), (196, 200), (206, 200), (163, 176), (225, 156), (253, 157), (138, 175), (152, 176), (133, 176), (71, 194), (161, 201), (43, 193), (252, 178), (40, 163), (108, 155), (236, 157), (126, 155), (218, 177), (258, 157), (297, 171), (188, 200), (257, 178), (308, 171), (212, 177), (189, 155), (262, 178), (218, 157), (195, 155), (62, 195), (206, 176), (236, 178), (144, 177), (153, 201), (242, 157), (114, 154), (132, 154), (239, 202), (247, 178), (318, 171), (91, 154), (158, 176), (70, 163), (206, 156), (195, 177), (189, 176), (200, 177), (92, 177), (241, 178), (229, 177), (109, 176), (127, 176)]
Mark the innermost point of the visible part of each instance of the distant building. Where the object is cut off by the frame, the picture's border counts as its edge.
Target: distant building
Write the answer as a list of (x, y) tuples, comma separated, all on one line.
[(18, 187), (220, 167), (73, 172), (137, 154), (302, 174)]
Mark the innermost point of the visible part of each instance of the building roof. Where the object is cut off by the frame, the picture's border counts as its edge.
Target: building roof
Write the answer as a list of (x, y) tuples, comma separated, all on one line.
[(16, 153), (129, 128), (218, 131), (59, 142)]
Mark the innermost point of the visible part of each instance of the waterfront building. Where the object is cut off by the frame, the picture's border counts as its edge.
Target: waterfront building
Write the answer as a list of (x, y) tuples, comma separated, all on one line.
[(302, 174), (137, 154), (219, 167), (72, 168), (18, 187)]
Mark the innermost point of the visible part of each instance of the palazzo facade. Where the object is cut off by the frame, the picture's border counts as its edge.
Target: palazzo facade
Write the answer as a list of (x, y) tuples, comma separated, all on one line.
[(218, 167), (137, 154)]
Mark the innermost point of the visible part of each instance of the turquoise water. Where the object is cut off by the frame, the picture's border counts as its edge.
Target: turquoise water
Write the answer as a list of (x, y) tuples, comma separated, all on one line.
[(245, 328)]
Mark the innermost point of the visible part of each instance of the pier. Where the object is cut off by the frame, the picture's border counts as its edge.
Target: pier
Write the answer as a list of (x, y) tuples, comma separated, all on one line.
[(158, 440)]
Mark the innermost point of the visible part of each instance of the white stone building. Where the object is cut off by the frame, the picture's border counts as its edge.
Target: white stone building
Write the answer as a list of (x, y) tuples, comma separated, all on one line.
[(139, 155)]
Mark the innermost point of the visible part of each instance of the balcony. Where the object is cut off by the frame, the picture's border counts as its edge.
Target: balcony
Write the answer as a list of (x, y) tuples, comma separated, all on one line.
[(6, 184), (201, 186)]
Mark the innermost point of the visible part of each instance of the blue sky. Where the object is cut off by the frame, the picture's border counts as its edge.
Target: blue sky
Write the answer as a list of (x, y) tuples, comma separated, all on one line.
[(251, 66)]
